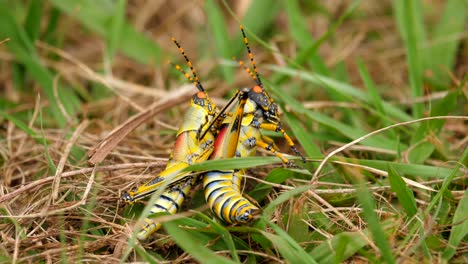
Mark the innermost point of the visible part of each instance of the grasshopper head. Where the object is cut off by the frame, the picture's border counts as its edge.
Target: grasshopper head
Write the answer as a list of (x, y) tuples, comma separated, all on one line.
[(266, 104), (202, 99)]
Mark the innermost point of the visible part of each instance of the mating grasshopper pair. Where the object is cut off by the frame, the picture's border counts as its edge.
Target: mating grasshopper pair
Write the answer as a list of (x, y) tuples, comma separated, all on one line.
[(209, 133)]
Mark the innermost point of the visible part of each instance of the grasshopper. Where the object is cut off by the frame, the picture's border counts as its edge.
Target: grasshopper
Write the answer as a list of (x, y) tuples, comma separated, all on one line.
[(190, 147), (240, 136), (222, 188)]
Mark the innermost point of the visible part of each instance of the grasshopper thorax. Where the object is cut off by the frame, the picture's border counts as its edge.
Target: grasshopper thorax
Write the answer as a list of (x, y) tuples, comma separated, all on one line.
[(266, 104)]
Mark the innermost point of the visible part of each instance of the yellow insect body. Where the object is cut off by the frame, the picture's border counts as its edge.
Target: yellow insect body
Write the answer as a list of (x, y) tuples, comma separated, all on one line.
[(256, 110), (225, 198), (187, 150), (222, 188)]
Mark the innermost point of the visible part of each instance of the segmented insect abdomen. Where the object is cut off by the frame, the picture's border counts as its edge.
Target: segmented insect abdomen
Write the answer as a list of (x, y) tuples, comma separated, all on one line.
[(223, 195), (169, 201)]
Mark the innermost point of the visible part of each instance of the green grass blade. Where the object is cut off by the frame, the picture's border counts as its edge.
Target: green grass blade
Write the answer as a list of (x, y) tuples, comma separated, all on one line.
[(348, 131), (446, 38), (459, 228), (302, 135), (191, 245), (116, 29), (404, 194), (269, 209), (23, 49), (312, 49), (50, 34), (261, 14), (32, 23), (350, 243), (447, 180), (409, 20), (374, 96), (9, 28), (298, 229), (287, 246), (353, 94), (95, 16), (224, 234), (423, 149), (424, 171), (378, 234), (231, 164), (278, 176), (146, 256), (20, 124), (50, 161), (300, 34), (220, 35), (87, 225), (257, 21), (39, 138), (284, 249)]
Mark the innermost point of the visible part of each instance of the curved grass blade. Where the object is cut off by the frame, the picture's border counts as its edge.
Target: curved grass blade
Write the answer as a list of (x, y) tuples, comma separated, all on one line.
[(231, 164), (192, 245), (338, 248), (378, 234), (404, 194), (287, 246), (224, 234), (459, 228)]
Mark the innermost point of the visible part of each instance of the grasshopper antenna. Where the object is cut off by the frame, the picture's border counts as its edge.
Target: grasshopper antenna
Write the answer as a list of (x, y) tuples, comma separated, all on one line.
[(177, 67), (256, 77), (195, 79), (247, 69)]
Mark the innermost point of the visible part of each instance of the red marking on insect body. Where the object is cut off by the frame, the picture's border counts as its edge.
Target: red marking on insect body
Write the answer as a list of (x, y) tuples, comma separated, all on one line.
[(257, 89), (217, 153), (180, 147), (201, 95)]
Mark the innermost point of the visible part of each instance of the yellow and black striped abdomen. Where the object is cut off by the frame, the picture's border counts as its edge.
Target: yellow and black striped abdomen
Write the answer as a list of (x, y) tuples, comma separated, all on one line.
[(223, 195), (169, 202)]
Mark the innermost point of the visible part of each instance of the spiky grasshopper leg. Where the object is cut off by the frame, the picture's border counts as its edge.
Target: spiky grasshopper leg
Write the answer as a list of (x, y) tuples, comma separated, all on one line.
[(278, 128)]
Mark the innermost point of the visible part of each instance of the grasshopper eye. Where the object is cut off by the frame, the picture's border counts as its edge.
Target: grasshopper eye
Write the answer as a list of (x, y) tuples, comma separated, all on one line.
[(272, 114), (273, 109)]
